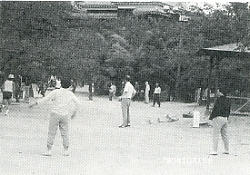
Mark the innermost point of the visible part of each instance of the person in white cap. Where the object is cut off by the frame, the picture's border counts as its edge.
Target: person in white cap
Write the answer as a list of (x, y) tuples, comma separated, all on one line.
[(7, 90)]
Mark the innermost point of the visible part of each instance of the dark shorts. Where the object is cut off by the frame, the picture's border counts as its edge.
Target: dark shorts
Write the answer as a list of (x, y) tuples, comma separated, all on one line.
[(7, 95)]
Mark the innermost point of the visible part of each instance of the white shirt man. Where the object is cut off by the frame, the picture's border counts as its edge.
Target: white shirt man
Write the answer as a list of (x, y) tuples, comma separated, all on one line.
[(128, 93), (157, 90)]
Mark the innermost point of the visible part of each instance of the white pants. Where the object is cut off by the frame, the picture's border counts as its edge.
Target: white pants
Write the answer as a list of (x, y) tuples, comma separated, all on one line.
[(63, 122), (220, 127), (146, 97), (125, 110)]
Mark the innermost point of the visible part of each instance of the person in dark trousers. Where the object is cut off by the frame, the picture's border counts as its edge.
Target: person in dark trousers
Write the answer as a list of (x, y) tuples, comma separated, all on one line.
[(17, 93), (219, 117), (91, 86), (137, 89), (157, 95)]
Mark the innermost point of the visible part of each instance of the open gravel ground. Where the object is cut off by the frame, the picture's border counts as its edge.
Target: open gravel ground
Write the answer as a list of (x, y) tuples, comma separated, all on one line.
[(98, 146)]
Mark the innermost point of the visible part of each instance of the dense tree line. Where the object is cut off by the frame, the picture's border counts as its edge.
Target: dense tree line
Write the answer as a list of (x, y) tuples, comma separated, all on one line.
[(41, 38)]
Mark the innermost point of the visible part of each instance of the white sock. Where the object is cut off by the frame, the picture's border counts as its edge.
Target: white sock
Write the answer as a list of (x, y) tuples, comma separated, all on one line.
[(7, 111)]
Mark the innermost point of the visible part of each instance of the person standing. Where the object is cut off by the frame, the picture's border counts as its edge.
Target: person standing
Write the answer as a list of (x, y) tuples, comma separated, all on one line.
[(91, 91), (65, 105), (128, 93), (137, 89), (42, 87), (112, 91), (122, 87), (58, 83), (8, 88), (52, 81), (17, 93), (219, 117), (1, 92), (147, 89), (73, 85), (157, 95), (31, 91)]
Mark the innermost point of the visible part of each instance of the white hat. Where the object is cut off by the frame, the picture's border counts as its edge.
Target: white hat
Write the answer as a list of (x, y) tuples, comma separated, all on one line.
[(11, 76)]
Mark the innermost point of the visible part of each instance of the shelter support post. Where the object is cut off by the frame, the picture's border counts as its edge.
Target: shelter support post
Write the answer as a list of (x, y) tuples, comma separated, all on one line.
[(217, 72), (211, 63)]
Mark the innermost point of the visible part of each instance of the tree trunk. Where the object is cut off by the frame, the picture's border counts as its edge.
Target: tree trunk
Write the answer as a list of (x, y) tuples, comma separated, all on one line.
[(177, 84)]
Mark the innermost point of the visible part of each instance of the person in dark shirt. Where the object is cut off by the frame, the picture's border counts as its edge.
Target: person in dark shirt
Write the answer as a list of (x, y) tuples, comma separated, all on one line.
[(219, 117)]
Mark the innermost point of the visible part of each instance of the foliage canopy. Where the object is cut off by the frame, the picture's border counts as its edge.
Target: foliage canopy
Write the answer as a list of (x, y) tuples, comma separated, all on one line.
[(39, 39)]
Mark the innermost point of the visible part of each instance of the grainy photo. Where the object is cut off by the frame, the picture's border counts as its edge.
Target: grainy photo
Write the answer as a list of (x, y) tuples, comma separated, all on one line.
[(124, 88)]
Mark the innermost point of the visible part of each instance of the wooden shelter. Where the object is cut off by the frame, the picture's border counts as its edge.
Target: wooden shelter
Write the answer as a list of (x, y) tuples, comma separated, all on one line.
[(216, 54), (226, 51)]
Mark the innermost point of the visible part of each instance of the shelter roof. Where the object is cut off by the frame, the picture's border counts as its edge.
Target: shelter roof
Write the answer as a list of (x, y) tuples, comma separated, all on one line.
[(228, 50)]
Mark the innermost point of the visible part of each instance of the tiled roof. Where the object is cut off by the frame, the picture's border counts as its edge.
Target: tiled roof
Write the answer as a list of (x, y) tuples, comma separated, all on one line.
[(139, 3), (143, 10), (97, 4)]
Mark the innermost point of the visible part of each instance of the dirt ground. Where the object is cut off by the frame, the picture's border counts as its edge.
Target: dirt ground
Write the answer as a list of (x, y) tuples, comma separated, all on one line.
[(99, 147)]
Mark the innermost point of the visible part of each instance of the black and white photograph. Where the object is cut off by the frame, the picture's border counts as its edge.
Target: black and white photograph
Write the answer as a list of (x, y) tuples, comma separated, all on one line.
[(124, 87)]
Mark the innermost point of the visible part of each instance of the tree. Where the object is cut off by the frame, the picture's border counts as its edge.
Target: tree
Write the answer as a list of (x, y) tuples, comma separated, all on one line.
[(27, 28), (44, 40)]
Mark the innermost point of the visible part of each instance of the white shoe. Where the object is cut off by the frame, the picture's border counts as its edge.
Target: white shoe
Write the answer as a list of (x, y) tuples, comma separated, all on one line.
[(7, 112), (66, 153), (213, 153), (48, 153), (123, 126)]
